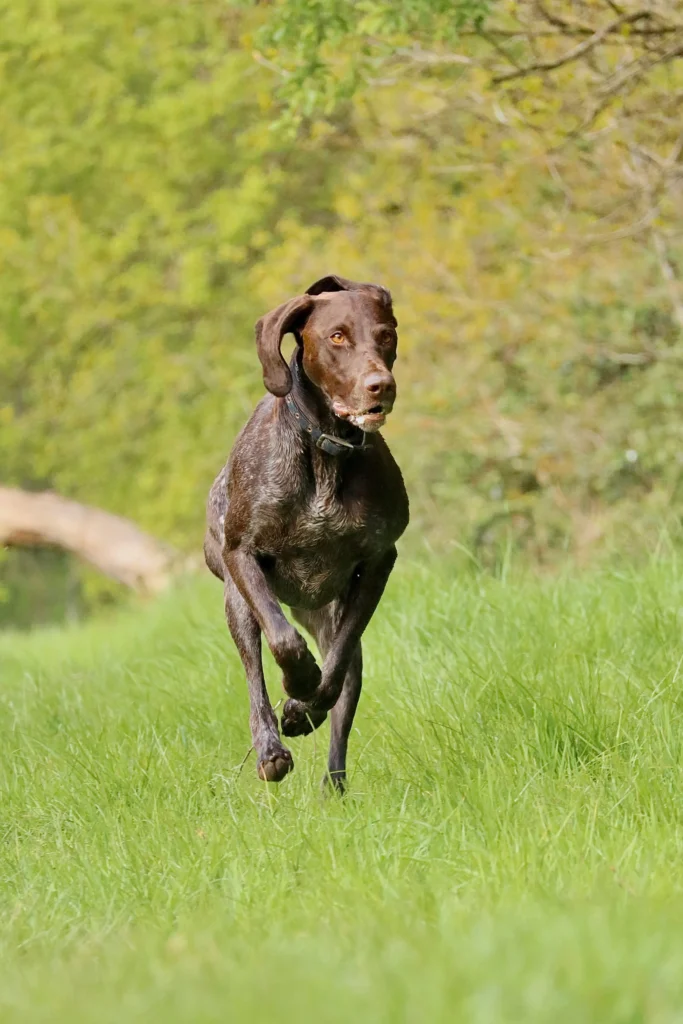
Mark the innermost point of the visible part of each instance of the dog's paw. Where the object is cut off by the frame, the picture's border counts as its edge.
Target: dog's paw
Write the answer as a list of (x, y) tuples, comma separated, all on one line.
[(274, 764), (334, 783), (298, 719)]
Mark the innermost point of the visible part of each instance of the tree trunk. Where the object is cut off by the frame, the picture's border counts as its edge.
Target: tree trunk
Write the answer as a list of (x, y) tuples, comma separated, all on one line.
[(112, 544)]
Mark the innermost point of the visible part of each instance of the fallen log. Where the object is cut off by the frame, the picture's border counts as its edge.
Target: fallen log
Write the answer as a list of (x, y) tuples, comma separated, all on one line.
[(113, 544)]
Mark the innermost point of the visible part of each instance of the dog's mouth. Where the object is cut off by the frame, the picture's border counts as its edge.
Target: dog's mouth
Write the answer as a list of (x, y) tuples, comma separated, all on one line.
[(368, 420)]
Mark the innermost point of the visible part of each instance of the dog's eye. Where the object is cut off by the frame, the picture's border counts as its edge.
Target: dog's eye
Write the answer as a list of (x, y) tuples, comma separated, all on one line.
[(337, 337)]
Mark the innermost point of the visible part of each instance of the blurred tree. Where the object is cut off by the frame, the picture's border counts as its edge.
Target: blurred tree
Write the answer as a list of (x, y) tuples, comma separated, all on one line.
[(622, 90), (526, 217), (323, 51), (556, 126), (140, 179)]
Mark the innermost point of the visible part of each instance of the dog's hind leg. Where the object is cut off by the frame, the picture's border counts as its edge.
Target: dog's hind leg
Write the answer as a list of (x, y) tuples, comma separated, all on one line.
[(273, 759), (342, 720), (212, 555)]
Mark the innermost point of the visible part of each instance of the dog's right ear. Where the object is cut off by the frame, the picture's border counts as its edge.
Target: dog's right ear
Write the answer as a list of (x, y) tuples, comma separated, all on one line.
[(270, 330)]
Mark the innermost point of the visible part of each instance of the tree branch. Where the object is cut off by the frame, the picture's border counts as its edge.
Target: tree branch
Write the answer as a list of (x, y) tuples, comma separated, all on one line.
[(573, 55), (112, 544)]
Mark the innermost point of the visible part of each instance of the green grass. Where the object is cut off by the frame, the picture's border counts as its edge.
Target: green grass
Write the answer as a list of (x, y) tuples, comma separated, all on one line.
[(511, 848)]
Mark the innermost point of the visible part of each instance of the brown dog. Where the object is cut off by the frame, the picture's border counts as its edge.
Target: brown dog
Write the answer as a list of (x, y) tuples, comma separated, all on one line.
[(308, 511)]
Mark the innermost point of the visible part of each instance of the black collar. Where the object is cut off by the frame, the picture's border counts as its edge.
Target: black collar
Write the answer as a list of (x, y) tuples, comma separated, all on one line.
[(329, 443)]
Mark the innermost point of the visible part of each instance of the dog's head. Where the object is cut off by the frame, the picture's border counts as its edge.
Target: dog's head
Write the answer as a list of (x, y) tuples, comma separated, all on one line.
[(347, 333)]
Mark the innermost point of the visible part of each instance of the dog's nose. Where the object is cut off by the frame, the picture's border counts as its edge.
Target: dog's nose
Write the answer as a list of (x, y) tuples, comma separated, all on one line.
[(380, 385)]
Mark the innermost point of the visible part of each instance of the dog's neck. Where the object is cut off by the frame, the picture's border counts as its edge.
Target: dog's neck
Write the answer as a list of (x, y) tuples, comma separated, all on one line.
[(315, 405)]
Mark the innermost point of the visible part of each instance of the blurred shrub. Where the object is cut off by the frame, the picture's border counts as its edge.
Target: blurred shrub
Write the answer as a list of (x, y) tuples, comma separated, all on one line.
[(140, 179), (149, 213)]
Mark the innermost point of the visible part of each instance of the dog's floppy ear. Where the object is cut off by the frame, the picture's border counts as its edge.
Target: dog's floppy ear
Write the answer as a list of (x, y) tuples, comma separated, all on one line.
[(270, 330), (334, 283)]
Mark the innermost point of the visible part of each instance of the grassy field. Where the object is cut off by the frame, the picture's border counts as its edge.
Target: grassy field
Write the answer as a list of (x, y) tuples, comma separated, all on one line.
[(511, 848)]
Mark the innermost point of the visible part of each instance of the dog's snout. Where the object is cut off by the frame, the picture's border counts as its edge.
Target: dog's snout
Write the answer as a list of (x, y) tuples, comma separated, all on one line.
[(380, 385)]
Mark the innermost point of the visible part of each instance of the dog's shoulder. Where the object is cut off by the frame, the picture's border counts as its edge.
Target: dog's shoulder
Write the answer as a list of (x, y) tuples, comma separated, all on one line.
[(266, 463)]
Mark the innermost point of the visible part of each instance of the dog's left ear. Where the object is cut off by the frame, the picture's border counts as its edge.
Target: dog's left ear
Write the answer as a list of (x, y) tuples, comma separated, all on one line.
[(334, 283), (270, 330)]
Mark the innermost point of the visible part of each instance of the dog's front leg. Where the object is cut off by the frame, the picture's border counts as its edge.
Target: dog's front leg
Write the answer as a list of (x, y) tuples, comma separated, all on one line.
[(301, 675), (367, 587), (273, 760)]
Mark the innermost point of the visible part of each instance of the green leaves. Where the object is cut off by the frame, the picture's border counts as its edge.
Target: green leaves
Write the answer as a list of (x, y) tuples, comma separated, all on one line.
[(324, 50), (152, 207), (136, 175)]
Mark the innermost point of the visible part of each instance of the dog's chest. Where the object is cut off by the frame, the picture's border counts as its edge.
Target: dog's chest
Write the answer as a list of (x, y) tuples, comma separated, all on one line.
[(321, 528), (328, 513), (327, 529), (318, 551)]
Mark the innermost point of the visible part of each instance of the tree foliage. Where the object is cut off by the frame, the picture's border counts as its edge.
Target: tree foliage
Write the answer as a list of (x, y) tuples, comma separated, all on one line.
[(154, 203), (140, 181), (324, 50)]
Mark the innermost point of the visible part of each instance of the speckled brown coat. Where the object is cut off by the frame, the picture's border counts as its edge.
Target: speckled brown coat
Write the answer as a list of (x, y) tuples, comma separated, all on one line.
[(288, 522)]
